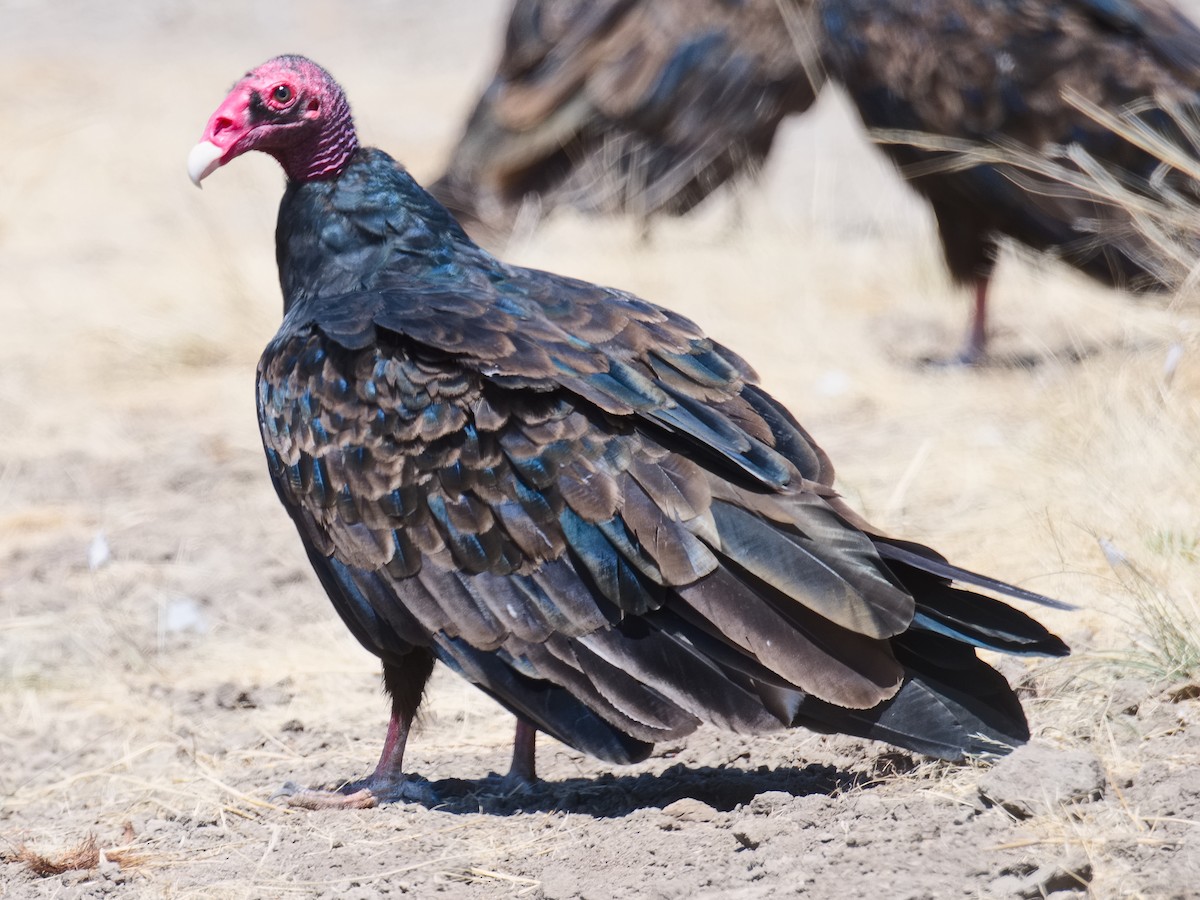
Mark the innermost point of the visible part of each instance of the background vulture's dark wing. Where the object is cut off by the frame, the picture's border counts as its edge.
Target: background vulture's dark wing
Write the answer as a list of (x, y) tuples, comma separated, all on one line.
[(587, 508), (1159, 23), (995, 72), (629, 105)]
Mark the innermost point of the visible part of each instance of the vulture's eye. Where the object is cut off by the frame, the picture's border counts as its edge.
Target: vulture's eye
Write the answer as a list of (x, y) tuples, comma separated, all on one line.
[(282, 94)]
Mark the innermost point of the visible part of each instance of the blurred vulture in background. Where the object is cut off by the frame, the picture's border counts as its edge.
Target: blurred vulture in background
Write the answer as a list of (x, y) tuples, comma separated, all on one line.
[(628, 106), (1004, 73), (646, 106)]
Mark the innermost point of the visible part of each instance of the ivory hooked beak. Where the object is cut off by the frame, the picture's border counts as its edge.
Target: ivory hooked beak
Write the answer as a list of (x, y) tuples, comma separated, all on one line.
[(203, 160)]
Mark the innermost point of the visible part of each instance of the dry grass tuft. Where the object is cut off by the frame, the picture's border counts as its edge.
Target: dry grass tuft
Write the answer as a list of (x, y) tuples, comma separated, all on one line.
[(84, 856), (1169, 648)]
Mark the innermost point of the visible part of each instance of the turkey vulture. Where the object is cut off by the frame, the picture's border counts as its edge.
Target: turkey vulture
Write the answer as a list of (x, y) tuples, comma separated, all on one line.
[(991, 72), (965, 72), (637, 106), (570, 496)]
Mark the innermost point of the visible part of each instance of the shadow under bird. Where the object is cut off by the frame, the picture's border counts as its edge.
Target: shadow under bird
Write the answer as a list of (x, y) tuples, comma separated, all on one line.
[(570, 496), (579, 83)]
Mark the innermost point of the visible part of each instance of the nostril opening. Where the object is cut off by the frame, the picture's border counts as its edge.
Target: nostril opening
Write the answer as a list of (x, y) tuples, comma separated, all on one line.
[(221, 124)]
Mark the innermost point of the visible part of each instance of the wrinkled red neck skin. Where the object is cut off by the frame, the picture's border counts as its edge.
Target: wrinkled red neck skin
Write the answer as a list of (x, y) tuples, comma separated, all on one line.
[(309, 149), (327, 151)]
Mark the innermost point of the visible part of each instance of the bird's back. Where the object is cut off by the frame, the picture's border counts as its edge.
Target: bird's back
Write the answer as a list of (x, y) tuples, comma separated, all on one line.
[(638, 106)]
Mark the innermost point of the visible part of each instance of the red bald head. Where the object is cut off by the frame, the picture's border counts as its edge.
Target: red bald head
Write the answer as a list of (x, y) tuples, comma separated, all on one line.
[(288, 107)]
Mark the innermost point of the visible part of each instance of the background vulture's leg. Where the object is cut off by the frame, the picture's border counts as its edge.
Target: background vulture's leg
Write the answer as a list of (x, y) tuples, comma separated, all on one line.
[(405, 682), (976, 346), (524, 760)]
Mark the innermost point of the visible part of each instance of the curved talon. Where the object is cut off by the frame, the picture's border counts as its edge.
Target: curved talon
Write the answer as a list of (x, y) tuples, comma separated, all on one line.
[(286, 791)]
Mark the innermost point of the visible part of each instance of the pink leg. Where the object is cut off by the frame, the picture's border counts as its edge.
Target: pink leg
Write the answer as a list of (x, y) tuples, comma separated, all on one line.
[(388, 783), (976, 346), (524, 760), (391, 759)]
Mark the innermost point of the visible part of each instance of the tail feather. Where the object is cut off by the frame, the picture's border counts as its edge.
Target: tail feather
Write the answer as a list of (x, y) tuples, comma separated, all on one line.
[(978, 620), (926, 717), (950, 706), (988, 624), (925, 560)]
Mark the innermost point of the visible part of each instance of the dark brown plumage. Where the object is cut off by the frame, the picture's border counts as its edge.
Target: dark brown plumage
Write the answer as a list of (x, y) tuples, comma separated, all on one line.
[(570, 496), (966, 72), (998, 72), (628, 106)]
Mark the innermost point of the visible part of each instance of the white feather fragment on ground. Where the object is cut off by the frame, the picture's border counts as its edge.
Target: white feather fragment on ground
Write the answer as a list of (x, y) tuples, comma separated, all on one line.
[(183, 614), (98, 553)]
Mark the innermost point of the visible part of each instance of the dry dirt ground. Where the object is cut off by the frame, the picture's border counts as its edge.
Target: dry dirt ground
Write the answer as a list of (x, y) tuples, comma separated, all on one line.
[(167, 659)]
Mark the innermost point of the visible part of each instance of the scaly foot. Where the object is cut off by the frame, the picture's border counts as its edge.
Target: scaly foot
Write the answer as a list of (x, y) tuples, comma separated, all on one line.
[(365, 793)]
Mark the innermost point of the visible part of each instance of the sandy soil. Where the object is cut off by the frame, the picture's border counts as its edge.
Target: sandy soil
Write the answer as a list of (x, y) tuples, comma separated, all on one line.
[(167, 659)]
